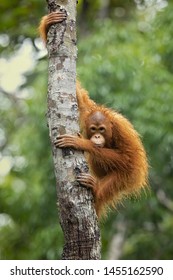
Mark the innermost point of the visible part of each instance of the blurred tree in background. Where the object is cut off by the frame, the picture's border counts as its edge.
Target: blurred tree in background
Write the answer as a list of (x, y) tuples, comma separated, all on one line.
[(125, 61)]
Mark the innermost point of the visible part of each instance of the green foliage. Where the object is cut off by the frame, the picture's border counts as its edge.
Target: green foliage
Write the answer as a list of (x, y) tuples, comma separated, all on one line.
[(130, 73), (125, 63), (20, 17), (28, 191)]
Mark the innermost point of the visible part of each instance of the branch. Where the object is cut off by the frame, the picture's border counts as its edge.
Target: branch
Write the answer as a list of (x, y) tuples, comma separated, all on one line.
[(11, 96), (164, 200)]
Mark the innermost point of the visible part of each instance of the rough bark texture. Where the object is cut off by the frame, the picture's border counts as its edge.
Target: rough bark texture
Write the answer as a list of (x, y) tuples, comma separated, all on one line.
[(77, 214)]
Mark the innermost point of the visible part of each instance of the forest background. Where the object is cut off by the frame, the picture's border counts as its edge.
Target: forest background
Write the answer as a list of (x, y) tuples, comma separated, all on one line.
[(125, 54)]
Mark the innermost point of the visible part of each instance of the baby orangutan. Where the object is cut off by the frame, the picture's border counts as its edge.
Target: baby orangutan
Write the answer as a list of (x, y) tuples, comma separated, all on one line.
[(116, 156)]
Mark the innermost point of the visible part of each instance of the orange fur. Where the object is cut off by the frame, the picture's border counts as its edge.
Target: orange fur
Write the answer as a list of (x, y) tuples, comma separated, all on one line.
[(119, 168), (122, 170), (43, 28), (48, 20)]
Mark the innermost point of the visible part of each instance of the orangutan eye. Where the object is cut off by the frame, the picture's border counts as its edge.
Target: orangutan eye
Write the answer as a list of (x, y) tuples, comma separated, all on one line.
[(93, 129), (102, 129)]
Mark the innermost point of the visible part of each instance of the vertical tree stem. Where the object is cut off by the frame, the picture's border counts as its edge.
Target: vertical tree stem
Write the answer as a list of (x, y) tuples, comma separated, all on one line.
[(77, 214)]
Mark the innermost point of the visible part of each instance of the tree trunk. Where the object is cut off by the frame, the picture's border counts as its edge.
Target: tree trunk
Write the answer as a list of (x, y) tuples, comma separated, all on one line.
[(77, 214)]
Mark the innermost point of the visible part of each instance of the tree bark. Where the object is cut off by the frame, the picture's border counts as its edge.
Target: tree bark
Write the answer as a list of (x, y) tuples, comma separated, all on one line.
[(77, 214)]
